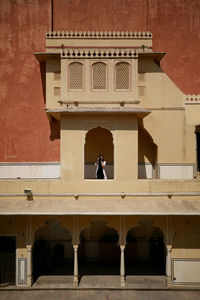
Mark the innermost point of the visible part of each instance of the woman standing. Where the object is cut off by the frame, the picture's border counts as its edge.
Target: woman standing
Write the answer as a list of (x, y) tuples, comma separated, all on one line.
[(100, 164)]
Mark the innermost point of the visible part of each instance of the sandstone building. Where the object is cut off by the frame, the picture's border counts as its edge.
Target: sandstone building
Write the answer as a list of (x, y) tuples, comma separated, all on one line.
[(104, 92)]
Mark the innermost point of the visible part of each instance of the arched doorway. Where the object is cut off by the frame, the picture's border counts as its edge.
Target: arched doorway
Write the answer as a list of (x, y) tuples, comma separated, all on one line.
[(52, 250), (145, 250), (99, 252), (7, 259), (98, 141)]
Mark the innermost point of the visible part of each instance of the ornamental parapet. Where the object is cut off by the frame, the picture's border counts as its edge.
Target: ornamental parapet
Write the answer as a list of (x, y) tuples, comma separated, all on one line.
[(110, 40), (192, 99), (99, 34), (100, 53)]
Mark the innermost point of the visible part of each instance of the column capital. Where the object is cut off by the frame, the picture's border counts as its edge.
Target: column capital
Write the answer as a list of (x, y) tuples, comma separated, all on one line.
[(122, 247), (75, 247), (169, 247), (29, 248)]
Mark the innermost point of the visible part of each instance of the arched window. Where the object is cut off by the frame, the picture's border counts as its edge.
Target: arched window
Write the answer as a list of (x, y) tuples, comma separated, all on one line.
[(122, 76), (99, 76), (76, 76)]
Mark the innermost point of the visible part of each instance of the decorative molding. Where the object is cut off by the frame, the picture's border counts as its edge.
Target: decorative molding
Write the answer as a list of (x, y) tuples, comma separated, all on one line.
[(77, 102), (123, 195), (99, 34), (100, 52), (120, 109), (192, 99)]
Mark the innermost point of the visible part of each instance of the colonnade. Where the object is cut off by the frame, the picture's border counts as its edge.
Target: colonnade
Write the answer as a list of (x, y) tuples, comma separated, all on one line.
[(76, 265), (75, 244)]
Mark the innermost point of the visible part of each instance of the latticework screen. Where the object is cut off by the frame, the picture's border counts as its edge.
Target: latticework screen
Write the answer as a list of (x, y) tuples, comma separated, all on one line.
[(76, 76), (122, 76), (99, 76)]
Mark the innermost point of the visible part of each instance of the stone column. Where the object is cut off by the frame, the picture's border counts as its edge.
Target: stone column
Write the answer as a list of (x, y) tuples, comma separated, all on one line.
[(75, 265), (29, 265), (122, 266), (168, 263)]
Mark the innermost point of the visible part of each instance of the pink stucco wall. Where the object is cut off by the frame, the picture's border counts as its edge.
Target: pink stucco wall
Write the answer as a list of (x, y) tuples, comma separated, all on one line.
[(25, 132)]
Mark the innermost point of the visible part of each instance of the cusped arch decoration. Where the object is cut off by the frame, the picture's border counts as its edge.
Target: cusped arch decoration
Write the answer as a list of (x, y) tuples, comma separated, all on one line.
[(146, 247), (52, 230), (145, 227), (103, 228), (98, 140)]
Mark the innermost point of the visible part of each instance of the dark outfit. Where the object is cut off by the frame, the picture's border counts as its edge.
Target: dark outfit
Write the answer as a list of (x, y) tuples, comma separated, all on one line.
[(100, 174)]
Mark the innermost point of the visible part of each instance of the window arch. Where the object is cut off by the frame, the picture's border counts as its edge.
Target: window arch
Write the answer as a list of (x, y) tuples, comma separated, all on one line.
[(76, 76), (122, 76), (99, 76)]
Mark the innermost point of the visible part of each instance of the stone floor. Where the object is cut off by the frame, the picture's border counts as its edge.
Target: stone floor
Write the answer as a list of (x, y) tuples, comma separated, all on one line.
[(99, 295), (101, 282)]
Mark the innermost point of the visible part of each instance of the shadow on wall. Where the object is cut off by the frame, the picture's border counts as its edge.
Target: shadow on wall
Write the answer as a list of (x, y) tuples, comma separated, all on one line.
[(43, 79), (149, 65), (54, 129), (147, 151), (186, 232)]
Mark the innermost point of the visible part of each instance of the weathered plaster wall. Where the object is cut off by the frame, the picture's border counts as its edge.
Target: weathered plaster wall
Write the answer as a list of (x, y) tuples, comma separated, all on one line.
[(27, 135), (25, 130)]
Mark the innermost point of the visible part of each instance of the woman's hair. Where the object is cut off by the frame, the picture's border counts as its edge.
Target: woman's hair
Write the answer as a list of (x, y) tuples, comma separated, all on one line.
[(101, 155)]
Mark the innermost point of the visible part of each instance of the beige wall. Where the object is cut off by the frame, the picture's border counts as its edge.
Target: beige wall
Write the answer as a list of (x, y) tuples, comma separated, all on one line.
[(124, 132)]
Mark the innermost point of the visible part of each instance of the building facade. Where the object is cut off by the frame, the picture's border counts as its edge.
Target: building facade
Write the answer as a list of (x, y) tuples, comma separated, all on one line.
[(105, 93)]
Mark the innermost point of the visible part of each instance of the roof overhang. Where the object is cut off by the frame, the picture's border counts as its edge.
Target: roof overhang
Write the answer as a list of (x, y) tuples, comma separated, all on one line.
[(156, 56), (43, 56), (57, 112), (89, 206)]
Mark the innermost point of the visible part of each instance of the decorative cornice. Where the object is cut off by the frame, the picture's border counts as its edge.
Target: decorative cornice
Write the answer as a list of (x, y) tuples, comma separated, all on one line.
[(99, 34), (89, 52), (99, 53), (123, 195), (192, 99)]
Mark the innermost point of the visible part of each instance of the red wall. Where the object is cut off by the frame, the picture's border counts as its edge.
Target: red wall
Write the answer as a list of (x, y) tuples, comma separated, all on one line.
[(25, 133)]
